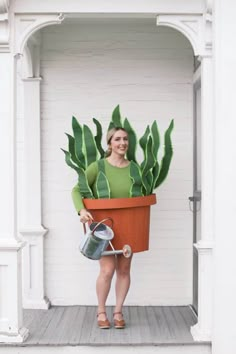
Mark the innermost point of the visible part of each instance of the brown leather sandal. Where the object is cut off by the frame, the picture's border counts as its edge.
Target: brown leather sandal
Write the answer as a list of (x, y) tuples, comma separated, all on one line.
[(119, 324), (105, 324)]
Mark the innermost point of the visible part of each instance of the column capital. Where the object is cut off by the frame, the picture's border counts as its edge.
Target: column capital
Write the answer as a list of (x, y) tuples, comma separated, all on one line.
[(27, 25), (196, 28), (4, 26)]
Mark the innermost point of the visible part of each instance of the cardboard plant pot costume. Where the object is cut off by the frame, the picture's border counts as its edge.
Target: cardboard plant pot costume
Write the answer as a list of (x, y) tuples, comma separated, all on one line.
[(123, 194)]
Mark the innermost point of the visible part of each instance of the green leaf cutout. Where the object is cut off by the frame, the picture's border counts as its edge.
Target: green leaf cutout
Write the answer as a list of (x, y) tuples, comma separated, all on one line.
[(156, 138), (98, 138), (69, 162), (84, 188), (143, 143), (168, 153), (78, 135), (102, 186), (148, 166), (135, 175), (90, 145), (132, 141), (116, 117), (71, 148)]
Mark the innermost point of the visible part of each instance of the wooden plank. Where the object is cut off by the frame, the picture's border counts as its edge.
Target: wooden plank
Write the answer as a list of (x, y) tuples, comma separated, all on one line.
[(47, 317), (135, 330), (182, 331), (121, 336), (162, 324), (153, 325), (78, 321), (144, 325), (89, 319), (33, 320), (54, 325), (188, 315), (61, 336)]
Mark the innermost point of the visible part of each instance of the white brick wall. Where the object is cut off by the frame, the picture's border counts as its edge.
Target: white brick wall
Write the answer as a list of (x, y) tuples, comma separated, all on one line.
[(87, 69)]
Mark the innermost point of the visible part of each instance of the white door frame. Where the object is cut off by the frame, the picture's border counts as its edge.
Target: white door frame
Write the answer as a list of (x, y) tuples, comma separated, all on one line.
[(197, 28)]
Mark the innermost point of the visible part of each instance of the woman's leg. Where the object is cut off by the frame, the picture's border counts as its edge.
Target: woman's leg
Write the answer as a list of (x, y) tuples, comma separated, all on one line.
[(123, 266), (107, 268)]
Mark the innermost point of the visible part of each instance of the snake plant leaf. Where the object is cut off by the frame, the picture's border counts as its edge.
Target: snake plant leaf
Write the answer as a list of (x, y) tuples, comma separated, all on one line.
[(135, 175), (168, 153), (149, 182), (132, 141), (116, 117), (69, 162), (148, 166), (84, 188), (155, 173), (90, 145), (102, 186), (71, 148), (78, 135), (143, 143), (98, 138), (156, 138)]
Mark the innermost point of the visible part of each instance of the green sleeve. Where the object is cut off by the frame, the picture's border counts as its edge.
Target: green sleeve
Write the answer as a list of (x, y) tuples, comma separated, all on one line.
[(91, 173)]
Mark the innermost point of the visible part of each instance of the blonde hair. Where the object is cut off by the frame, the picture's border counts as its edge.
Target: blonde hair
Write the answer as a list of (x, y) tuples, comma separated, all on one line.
[(110, 134)]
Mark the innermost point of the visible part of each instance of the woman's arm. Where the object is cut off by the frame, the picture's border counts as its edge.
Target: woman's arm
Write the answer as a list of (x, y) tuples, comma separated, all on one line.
[(91, 173)]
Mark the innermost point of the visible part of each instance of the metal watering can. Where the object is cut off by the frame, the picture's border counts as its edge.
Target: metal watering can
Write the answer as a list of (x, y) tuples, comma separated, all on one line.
[(97, 239)]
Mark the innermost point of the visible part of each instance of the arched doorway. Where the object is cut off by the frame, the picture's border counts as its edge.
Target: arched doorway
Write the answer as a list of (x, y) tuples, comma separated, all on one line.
[(106, 114)]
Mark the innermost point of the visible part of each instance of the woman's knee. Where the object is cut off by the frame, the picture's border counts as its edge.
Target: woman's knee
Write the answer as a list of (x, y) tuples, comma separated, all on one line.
[(107, 269)]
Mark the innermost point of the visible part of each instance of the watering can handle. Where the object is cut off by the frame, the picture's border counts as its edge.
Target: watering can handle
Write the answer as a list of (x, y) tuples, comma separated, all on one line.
[(99, 223)]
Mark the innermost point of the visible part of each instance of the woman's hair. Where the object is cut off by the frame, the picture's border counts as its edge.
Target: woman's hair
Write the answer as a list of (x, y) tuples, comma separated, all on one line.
[(110, 134)]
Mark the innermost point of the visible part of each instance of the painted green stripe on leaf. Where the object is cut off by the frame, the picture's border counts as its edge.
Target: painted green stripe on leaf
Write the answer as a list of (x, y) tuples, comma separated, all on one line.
[(71, 148), (143, 143), (135, 175), (168, 153), (102, 186), (84, 188), (69, 162), (98, 138), (132, 141), (90, 145), (156, 138), (116, 117)]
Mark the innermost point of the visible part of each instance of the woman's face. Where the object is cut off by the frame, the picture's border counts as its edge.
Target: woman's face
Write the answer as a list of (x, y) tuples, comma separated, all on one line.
[(119, 142)]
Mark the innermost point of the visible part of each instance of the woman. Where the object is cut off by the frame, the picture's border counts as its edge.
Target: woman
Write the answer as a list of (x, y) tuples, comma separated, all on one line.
[(117, 172)]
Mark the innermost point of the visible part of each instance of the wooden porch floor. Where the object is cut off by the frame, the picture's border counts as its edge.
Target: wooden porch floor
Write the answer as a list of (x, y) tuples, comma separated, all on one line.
[(76, 325)]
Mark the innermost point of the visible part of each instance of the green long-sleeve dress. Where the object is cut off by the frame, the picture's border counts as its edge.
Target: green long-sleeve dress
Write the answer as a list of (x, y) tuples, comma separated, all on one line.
[(118, 178)]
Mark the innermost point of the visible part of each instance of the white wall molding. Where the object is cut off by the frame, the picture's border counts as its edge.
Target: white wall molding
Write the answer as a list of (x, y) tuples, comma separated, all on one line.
[(33, 269), (27, 25), (197, 28), (31, 229), (202, 330)]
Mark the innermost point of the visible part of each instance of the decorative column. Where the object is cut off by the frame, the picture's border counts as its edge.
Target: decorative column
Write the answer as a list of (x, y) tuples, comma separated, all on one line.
[(31, 229), (11, 327), (198, 29), (203, 329), (224, 310), (27, 40)]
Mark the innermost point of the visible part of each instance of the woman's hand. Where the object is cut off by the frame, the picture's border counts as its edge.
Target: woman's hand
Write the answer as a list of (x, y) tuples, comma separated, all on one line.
[(85, 216)]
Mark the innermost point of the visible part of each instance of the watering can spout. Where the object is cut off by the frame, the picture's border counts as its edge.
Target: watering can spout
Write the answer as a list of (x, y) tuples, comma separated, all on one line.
[(126, 251)]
